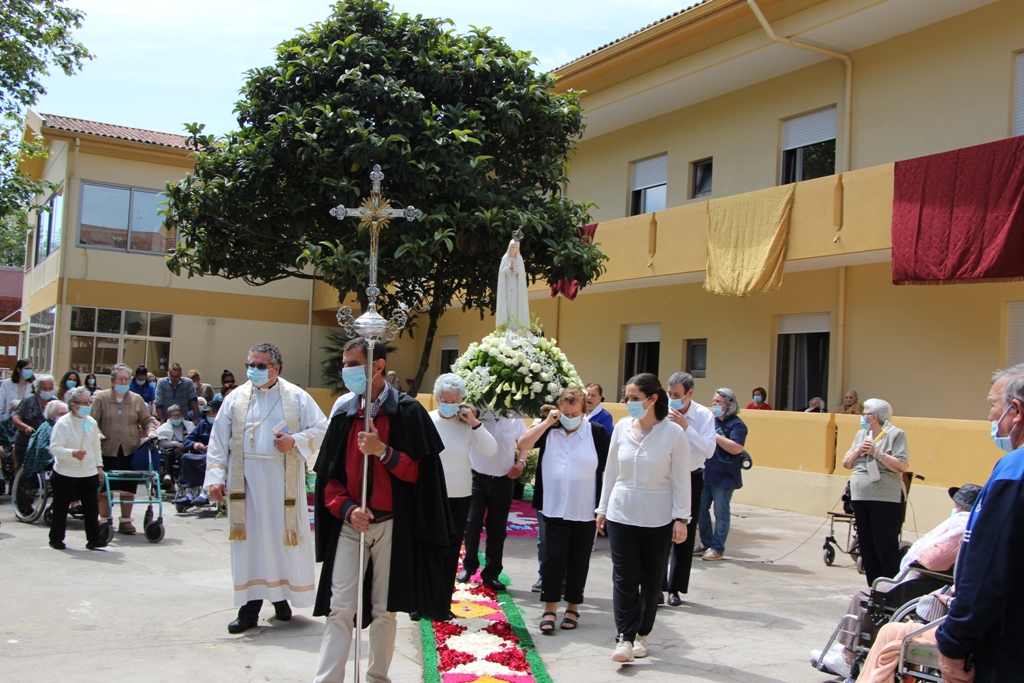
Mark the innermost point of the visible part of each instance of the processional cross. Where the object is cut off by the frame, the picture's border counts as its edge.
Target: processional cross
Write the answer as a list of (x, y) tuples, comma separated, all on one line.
[(374, 214)]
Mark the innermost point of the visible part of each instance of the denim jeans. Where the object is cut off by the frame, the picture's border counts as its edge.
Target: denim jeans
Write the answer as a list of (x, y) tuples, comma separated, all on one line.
[(722, 498)]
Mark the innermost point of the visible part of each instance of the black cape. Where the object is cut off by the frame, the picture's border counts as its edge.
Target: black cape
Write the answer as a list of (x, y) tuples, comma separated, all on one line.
[(422, 518)]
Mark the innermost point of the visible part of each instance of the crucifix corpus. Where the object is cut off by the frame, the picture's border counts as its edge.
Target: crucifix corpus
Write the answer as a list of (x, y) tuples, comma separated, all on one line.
[(374, 214)]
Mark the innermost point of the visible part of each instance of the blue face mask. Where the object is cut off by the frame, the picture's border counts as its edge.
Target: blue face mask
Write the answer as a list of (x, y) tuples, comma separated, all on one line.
[(717, 411), (152, 385), (258, 377), (26, 373), (443, 409), (758, 399), (636, 409), (863, 422), (176, 423), (140, 382), (121, 389), (211, 419), (46, 395), (84, 411), (1002, 442), (355, 379), (675, 403), (71, 384), (571, 423)]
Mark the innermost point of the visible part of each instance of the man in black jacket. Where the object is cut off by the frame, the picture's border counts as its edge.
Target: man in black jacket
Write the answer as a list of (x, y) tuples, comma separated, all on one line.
[(405, 524), (985, 619)]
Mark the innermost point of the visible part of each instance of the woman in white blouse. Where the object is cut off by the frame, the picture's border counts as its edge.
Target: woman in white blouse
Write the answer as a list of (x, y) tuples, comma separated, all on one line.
[(644, 508), (77, 469), (459, 429), (570, 468)]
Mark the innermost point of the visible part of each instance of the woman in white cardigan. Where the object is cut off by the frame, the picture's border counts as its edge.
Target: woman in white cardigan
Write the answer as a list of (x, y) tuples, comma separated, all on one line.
[(644, 508), (77, 469), (459, 429)]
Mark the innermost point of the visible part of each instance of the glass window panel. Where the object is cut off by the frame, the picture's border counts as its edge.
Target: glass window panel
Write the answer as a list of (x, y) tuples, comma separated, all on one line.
[(81, 353), (42, 235), (105, 216), (134, 353), (654, 198), (148, 232), (159, 352), (56, 221), (160, 324), (106, 355), (108, 321), (136, 323), (83, 319)]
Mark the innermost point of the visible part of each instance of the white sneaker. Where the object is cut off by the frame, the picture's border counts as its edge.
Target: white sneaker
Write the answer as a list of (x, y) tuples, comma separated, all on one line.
[(836, 663), (640, 647), (623, 651), (815, 658)]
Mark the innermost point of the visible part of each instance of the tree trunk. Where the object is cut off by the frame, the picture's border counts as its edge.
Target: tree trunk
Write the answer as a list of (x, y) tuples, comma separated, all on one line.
[(428, 345)]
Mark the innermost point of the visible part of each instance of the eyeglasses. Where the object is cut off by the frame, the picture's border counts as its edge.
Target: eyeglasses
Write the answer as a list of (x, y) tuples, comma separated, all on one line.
[(260, 366)]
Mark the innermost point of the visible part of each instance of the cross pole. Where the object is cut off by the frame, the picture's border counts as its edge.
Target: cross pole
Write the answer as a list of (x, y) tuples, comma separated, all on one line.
[(374, 214)]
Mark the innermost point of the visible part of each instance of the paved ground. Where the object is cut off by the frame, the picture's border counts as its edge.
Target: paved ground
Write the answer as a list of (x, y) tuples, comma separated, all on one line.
[(146, 612)]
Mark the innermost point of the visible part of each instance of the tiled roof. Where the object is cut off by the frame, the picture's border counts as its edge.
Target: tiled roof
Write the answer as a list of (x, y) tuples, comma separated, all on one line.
[(619, 40), (108, 130)]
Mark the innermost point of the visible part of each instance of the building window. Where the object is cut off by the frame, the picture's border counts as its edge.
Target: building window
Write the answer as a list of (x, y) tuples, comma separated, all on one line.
[(809, 146), (697, 357), (123, 218), (449, 352), (103, 337), (48, 226), (1018, 97), (700, 173), (40, 339), (801, 362), (643, 345), (650, 180)]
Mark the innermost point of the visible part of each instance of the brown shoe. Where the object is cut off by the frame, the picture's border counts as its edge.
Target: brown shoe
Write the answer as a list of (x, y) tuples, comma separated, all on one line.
[(126, 528)]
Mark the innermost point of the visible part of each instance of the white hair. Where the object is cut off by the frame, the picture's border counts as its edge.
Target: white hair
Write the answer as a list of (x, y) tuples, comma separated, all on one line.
[(50, 413), (449, 381), (879, 408), (40, 379), (732, 407)]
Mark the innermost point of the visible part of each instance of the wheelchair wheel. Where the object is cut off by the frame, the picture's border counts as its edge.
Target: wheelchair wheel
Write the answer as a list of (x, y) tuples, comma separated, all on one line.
[(148, 518), (48, 516), (860, 565), (829, 555), (29, 496), (154, 532), (107, 531)]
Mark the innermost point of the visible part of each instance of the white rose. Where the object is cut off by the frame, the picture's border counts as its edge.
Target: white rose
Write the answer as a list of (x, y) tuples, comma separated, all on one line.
[(544, 377), (524, 371), (535, 367), (552, 387), (493, 353), (509, 362), (549, 398), (536, 387), (520, 356)]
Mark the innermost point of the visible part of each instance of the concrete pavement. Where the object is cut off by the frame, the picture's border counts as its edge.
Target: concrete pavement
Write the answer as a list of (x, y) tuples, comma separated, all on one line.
[(158, 612)]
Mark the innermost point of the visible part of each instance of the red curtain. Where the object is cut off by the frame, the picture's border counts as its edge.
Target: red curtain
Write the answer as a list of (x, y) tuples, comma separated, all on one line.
[(569, 289), (958, 216)]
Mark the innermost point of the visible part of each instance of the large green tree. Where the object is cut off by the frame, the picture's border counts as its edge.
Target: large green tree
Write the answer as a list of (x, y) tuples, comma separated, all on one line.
[(35, 35), (463, 127)]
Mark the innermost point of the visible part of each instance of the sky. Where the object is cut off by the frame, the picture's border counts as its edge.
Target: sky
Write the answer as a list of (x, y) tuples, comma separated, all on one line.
[(159, 65)]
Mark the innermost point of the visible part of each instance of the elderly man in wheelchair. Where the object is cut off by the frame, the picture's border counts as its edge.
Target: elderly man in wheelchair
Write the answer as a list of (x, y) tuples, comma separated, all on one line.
[(926, 567), (193, 461)]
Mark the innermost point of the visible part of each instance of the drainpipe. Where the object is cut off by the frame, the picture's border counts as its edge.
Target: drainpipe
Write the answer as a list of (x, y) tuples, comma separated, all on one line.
[(844, 58), (64, 247)]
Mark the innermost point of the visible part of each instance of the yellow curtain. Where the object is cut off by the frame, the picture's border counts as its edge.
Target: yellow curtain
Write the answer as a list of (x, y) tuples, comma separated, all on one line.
[(747, 237)]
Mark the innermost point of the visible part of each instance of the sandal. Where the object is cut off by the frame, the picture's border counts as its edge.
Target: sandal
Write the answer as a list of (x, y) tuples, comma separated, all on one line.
[(547, 625), (570, 624)]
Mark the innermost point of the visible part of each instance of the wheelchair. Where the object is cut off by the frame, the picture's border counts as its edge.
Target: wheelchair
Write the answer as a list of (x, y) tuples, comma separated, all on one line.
[(30, 496), (897, 604)]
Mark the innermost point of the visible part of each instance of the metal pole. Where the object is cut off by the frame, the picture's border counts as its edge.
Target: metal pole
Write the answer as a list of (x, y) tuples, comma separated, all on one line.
[(367, 424)]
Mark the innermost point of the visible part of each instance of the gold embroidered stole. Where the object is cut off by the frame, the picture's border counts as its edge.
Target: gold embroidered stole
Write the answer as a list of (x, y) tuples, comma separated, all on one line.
[(236, 469)]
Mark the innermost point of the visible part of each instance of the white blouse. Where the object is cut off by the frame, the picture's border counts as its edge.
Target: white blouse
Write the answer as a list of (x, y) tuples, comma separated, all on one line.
[(647, 481), (10, 395), (569, 469), (75, 434), (458, 437)]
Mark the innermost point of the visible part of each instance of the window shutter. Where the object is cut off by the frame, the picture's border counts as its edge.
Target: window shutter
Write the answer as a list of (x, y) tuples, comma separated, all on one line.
[(647, 332), (804, 323), (809, 129), (650, 172), (1015, 333), (1018, 98), (450, 343)]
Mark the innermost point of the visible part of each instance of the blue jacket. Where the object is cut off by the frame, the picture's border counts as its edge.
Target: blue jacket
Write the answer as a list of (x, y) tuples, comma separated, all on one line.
[(147, 392), (986, 616), (199, 434), (604, 418), (723, 468)]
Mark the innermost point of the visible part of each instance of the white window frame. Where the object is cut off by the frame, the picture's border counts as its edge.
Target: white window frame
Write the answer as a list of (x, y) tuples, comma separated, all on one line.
[(121, 337), (645, 175), (132, 189), (803, 131)]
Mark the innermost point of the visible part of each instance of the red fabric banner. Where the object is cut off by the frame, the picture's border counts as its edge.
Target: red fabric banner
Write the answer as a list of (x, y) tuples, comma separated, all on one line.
[(958, 217), (569, 289)]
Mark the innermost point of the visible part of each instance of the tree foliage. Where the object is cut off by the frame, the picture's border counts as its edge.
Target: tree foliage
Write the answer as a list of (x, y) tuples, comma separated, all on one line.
[(13, 227), (461, 125), (35, 35)]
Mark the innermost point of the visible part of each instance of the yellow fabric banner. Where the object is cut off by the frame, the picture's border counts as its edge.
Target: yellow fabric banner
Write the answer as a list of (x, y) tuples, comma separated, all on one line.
[(747, 236)]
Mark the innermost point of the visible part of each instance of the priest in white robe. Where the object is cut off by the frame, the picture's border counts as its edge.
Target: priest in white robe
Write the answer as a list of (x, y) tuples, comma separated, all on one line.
[(264, 433)]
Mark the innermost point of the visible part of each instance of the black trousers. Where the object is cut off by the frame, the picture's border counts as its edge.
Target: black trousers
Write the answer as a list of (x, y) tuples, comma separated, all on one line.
[(878, 531), (681, 560), (460, 513), (252, 608), (66, 490), (492, 495), (639, 555), (568, 558)]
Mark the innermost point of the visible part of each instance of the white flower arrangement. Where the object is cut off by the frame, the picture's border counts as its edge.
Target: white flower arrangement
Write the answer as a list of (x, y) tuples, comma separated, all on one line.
[(509, 373)]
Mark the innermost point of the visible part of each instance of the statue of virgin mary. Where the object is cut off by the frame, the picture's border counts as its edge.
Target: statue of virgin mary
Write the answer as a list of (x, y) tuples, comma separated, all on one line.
[(513, 308)]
